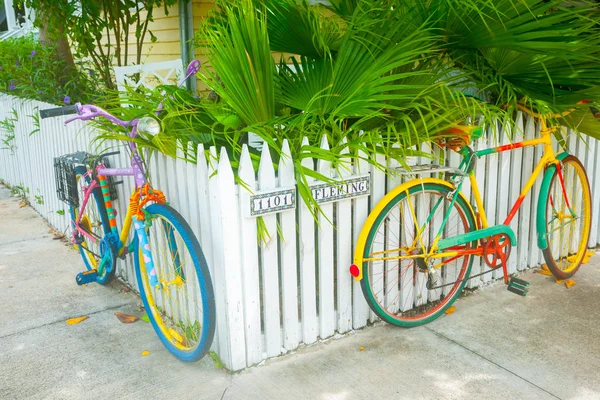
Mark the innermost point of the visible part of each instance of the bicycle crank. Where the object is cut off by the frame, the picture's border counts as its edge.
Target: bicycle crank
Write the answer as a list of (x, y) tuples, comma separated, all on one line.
[(496, 250)]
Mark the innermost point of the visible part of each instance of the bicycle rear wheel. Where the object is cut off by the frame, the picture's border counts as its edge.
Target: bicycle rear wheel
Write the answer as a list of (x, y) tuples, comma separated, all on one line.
[(182, 307), (567, 220), (94, 222), (405, 224)]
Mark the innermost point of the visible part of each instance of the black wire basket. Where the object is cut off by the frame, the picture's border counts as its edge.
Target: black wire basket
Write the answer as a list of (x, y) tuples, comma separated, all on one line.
[(66, 171)]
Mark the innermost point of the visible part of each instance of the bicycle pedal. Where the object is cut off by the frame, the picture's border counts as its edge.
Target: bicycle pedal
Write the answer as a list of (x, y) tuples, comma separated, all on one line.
[(518, 286), (83, 278), (77, 239)]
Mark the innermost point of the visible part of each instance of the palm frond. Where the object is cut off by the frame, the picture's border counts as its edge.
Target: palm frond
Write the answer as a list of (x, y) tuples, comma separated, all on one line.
[(241, 68), (301, 29)]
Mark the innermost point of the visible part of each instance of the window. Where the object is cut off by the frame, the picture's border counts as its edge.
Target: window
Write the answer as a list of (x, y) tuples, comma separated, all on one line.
[(12, 19), (7, 16)]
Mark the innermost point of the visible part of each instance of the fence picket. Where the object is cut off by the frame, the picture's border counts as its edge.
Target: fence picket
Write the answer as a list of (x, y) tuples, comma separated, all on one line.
[(535, 254), (360, 308), (270, 267), (218, 262), (288, 259), (250, 268), (206, 204), (343, 246), (377, 193), (232, 265), (325, 254), (592, 165), (307, 266), (523, 217), (479, 265), (515, 134)]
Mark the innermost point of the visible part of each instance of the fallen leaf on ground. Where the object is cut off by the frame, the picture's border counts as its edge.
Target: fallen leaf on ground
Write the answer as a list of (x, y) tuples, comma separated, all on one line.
[(544, 270), (362, 348), (145, 318), (587, 256), (560, 281), (58, 236), (145, 353), (74, 321), (569, 283), (126, 318), (450, 310), (23, 204)]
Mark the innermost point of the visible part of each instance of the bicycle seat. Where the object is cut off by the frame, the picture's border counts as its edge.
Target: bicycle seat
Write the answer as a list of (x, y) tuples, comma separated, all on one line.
[(458, 136)]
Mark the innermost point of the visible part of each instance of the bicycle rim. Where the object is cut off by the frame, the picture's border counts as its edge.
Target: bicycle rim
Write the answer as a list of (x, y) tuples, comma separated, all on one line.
[(397, 290), (181, 309), (568, 219)]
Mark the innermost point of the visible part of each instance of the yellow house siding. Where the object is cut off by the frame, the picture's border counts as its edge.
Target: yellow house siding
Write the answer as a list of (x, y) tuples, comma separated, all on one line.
[(167, 31), (200, 9), (165, 28)]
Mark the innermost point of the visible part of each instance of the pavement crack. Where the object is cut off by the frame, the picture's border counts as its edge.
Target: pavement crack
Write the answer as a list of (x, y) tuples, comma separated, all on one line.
[(62, 320), (224, 391), (490, 361)]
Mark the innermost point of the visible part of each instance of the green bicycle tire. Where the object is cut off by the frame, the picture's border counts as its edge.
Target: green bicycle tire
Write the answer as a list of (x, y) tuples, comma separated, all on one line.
[(562, 261), (468, 219)]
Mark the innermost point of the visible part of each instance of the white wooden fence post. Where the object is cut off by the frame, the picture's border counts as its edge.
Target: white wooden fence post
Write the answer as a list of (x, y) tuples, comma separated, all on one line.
[(325, 254), (535, 254), (250, 268), (308, 292), (343, 231), (288, 259), (270, 259), (218, 262), (360, 309), (232, 265), (594, 177)]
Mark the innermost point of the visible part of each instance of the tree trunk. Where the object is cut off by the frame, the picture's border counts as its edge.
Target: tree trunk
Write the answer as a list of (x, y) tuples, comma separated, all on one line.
[(56, 37)]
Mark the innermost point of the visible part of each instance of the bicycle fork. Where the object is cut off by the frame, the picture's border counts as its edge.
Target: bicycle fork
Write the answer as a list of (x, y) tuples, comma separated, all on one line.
[(140, 230)]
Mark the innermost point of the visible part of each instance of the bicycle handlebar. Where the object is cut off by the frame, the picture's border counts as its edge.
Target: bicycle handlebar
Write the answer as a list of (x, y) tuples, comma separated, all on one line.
[(59, 111), (84, 112)]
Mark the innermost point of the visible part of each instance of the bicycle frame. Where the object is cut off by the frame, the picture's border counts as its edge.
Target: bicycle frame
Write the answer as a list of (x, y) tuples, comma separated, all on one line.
[(136, 170), (548, 158), (455, 247)]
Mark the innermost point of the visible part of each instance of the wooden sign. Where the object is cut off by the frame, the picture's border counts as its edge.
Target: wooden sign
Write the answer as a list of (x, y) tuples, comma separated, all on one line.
[(270, 202), (350, 187)]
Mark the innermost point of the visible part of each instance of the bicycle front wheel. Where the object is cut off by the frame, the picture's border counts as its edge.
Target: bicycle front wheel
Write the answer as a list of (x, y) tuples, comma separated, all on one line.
[(396, 281), (567, 218), (181, 307)]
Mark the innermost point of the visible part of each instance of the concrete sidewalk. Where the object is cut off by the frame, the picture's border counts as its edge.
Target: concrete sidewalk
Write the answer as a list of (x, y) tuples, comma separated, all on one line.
[(496, 345)]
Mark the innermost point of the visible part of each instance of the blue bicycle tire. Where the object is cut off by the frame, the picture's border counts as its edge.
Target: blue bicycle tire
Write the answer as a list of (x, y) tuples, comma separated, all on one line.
[(190, 241)]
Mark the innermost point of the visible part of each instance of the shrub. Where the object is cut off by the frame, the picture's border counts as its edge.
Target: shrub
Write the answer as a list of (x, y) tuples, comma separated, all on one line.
[(31, 69)]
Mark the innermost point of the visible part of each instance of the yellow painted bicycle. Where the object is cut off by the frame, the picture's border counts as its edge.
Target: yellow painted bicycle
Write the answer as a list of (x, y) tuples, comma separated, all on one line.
[(416, 249)]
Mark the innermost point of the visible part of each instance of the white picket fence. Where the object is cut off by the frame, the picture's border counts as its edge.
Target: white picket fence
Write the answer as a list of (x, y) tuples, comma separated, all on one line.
[(295, 288)]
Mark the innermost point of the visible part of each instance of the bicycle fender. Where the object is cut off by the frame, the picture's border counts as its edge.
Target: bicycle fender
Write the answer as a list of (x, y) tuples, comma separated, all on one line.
[(542, 238), (360, 248)]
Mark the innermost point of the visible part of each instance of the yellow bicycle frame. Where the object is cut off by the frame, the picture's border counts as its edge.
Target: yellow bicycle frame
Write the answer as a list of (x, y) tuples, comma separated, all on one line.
[(548, 158)]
